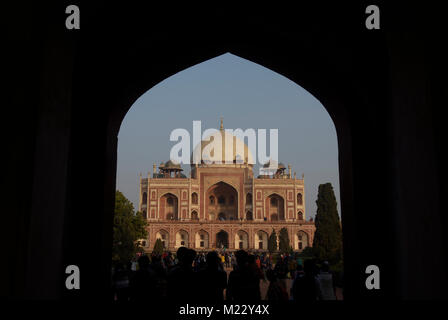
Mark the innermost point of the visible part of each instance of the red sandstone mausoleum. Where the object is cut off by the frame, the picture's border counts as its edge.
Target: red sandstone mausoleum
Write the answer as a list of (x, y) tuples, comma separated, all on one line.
[(223, 205)]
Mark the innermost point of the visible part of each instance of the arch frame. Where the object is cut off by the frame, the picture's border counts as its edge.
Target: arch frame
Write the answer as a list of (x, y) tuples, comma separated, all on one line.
[(315, 76)]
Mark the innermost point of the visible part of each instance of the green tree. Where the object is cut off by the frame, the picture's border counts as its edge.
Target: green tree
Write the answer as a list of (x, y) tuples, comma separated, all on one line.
[(283, 244), (129, 226), (307, 252), (272, 242), (327, 242), (158, 247)]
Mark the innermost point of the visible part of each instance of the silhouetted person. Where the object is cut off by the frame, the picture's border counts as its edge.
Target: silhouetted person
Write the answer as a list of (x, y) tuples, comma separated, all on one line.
[(227, 260), (307, 287), (281, 270), (276, 292), (160, 277), (252, 262), (212, 280), (143, 283), (182, 281), (326, 283), (121, 283), (244, 284), (233, 261)]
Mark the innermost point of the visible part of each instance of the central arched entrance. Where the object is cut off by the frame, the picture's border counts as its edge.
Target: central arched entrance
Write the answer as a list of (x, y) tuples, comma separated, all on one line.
[(222, 198), (222, 240)]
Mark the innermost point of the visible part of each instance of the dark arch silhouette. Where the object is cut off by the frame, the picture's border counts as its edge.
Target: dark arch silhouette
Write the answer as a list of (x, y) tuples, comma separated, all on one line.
[(249, 198), (338, 81), (222, 239), (169, 207), (275, 205), (194, 198), (221, 192), (299, 199)]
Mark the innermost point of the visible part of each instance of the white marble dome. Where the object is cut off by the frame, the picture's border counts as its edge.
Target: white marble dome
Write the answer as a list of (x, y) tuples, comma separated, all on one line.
[(237, 151)]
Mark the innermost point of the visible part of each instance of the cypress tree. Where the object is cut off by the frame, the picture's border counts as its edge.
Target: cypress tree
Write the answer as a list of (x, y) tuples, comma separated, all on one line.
[(158, 247), (284, 241), (328, 236), (272, 242)]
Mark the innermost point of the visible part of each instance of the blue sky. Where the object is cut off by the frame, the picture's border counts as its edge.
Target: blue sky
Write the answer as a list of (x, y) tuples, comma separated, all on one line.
[(246, 95)]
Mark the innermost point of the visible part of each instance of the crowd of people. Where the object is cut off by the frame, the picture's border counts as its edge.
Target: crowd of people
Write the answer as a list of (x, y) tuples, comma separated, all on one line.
[(188, 276)]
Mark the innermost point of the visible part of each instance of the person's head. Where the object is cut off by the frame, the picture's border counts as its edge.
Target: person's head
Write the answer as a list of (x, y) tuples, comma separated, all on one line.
[(181, 252), (270, 274), (155, 258), (241, 258), (299, 267), (251, 259), (309, 267), (325, 267), (188, 257), (143, 261), (212, 259)]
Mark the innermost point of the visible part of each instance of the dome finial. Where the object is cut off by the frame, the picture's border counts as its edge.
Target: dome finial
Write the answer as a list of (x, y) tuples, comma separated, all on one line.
[(222, 124)]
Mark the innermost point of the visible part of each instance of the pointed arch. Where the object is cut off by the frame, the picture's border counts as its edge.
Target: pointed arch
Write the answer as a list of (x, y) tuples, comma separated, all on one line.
[(301, 240), (299, 199), (164, 236), (182, 238), (219, 194), (194, 198), (275, 207), (248, 199), (169, 206), (261, 240), (241, 240), (222, 239), (202, 239)]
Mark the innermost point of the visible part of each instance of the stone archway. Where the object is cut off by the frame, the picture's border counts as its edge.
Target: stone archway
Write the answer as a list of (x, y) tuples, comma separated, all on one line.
[(301, 240), (182, 239), (222, 239), (261, 240), (275, 206), (164, 236), (241, 240), (202, 240), (169, 207), (223, 199), (317, 70)]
